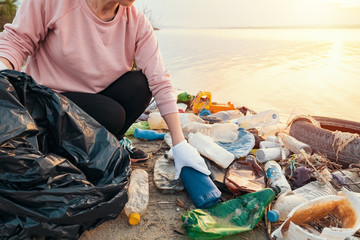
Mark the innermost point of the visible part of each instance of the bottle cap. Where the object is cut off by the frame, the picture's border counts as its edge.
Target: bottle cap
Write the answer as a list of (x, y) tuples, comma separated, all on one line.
[(134, 218), (273, 215)]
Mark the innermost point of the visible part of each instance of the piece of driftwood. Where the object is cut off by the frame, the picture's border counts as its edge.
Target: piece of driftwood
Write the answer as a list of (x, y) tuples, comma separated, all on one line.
[(345, 150)]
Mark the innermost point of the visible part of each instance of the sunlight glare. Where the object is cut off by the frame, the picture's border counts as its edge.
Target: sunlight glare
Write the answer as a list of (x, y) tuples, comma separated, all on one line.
[(347, 3)]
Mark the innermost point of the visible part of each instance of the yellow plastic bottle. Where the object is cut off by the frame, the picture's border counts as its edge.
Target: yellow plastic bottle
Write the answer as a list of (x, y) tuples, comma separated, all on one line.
[(138, 194)]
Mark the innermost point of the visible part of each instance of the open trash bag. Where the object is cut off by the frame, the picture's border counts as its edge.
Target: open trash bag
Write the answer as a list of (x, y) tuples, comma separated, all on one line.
[(61, 172)]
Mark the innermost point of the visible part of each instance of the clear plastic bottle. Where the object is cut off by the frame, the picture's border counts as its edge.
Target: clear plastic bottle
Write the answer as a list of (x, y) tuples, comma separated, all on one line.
[(271, 130), (228, 115), (261, 119), (276, 177), (219, 132), (156, 121), (138, 194)]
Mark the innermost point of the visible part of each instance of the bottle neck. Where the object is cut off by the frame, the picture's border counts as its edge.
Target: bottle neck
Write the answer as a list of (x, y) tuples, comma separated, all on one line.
[(276, 190)]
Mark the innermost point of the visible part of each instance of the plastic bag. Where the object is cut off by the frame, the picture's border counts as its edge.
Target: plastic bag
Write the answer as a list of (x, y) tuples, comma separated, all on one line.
[(233, 216), (140, 125), (61, 172), (242, 145)]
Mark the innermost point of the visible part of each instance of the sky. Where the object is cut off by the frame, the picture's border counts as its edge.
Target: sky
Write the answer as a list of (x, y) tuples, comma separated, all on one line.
[(250, 13)]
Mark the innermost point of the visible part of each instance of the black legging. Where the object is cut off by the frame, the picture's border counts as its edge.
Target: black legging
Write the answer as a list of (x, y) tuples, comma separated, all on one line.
[(119, 105)]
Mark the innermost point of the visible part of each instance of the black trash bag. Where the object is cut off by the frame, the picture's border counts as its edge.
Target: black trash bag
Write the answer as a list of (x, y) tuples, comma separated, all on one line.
[(61, 172)]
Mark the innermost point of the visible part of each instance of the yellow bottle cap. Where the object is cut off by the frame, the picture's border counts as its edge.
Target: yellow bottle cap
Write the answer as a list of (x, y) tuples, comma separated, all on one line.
[(134, 218)]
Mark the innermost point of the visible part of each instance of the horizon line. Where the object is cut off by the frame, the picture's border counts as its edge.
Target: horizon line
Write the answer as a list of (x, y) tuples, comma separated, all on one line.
[(270, 27)]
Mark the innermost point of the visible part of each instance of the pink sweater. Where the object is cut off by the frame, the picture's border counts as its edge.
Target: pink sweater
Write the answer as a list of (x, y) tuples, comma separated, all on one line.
[(68, 48)]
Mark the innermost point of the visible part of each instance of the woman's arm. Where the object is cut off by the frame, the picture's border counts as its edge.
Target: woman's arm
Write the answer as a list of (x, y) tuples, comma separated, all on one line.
[(185, 155), (21, 38), (173, 122), (6, 63)]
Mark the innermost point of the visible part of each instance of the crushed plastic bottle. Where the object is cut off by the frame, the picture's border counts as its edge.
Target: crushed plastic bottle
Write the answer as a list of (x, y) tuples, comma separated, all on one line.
[(276, 177), (219, 132), (271, 130), (138, 194), (228, 115), (261, 119), (227, 218)]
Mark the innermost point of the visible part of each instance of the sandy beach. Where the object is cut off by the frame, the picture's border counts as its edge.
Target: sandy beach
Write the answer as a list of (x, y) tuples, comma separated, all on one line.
[(162, 219)]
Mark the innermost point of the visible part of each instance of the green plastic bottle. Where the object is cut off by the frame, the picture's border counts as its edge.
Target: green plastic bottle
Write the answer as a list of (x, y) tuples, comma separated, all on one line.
[(233, 216), (184, 97)]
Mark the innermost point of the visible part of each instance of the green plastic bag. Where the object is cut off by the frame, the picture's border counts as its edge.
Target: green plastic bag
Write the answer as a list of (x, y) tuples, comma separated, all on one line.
[(141, 125), (234, 216)]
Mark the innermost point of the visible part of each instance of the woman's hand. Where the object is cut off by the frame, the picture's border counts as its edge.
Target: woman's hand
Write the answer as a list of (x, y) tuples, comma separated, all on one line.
[(186, 155)]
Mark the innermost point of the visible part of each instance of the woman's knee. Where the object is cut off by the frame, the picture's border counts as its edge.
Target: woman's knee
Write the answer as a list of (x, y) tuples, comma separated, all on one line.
[(140, 85)]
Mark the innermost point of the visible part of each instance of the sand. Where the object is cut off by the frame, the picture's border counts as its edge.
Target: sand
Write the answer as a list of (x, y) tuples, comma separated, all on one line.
[(162, 219)]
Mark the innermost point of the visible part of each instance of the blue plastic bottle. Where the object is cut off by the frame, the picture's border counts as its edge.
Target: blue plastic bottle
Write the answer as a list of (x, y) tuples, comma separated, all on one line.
[(148, 134), (200, 187)]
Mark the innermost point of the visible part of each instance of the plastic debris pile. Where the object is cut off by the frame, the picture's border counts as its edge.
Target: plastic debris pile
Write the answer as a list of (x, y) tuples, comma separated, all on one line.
[(252, 154)]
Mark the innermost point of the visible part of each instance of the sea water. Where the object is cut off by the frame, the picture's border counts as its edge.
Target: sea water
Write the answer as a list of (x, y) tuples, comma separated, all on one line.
[(295, 71)]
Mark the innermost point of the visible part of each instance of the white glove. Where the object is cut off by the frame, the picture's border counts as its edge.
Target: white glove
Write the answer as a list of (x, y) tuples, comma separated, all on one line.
[(186, 155), (3, 66)]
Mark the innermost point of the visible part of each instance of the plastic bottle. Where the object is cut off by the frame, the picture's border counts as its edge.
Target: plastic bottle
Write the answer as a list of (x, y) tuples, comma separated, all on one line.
[(271, 130), (228, 115), (207, 147), (293, 144), (200, 187), (219, 132), (269, 144), (138, 194), (184, 97), (148, 134), (264, 118), (156, 121), (189, 117), (230, 217), (276, 177), (269, 154)]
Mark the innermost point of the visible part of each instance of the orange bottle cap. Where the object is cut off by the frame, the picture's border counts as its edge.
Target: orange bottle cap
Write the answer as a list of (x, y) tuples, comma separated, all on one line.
[(134, 218)]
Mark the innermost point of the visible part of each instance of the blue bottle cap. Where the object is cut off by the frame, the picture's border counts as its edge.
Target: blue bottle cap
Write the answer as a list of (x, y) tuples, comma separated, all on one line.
[(273, 215)]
